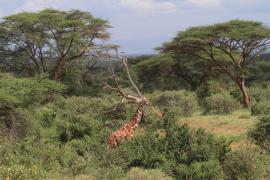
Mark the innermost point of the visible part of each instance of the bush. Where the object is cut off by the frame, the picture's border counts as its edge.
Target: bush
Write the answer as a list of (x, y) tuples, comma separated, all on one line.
[(66, 119), (26, 91), (220, 104), (17, 172), (201, 170), (182, 103), (75, 127), (260, 92), (196, 154), (12, 123), (19, 94), (260, 108), (261, 133), (31, 158), (246, 164), (179, 151), (218, 86), (146, 174), (212, 87)]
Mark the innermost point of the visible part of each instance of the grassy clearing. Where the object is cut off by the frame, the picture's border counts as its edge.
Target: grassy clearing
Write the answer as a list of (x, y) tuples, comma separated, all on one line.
[(234, 127)]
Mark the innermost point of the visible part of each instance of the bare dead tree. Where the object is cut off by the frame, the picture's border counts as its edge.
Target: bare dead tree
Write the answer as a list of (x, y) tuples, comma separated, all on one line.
[(127, 98), (127, 130)]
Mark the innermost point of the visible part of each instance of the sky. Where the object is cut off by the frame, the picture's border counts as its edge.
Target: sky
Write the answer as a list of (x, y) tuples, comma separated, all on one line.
[(139, 26)]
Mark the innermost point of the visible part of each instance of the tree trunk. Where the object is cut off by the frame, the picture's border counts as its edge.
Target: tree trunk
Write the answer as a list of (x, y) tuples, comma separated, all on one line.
[(243, 88), (57, 72)]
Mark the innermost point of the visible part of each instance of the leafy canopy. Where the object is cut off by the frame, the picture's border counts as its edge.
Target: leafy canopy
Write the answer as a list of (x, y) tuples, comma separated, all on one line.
[(226, 47), (232, 39), (51, 38)]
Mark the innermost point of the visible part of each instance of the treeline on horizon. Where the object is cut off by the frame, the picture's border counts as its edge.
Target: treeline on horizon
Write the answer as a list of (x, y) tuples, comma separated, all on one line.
[(55, 115)]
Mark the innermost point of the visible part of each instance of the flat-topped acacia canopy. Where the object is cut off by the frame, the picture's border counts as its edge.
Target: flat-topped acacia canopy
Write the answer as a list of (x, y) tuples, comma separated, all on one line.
[(226, 46), (47, 40)]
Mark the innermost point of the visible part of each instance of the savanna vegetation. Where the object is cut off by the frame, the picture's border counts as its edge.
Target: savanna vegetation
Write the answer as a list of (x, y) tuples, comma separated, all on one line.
[(212, 83)]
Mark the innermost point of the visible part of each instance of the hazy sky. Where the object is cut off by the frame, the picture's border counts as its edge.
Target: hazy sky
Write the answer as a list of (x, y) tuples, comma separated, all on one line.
[(141, 25)]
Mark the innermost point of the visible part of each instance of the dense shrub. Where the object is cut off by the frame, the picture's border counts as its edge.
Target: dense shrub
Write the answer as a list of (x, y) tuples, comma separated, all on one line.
[(260, 96), (28, 159), (218, 86), (212, 87), (182, 103), (74, 118), (260, 92), (17, 95), (261, 133), (199, 154), (12, 123), (72, 126), (246, 163), (179, 151), (152, 73), (47, 117), (67, 136), (260, 108), (201, 170), (26, 91), (220, 103), (146, 174)]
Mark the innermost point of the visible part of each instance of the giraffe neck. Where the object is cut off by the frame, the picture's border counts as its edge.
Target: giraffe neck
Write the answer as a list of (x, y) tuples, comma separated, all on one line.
[(127, 130), (137, 115)]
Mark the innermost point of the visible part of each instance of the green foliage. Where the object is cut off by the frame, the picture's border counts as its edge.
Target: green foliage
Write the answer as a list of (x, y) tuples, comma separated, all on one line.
[(229, 45), (246, 164), (17, 172), (181, 152), (212, 87), (167, 71), (261, 133), (17, 95), (220, 103), (47, 117), (73, 118), (46, 135), (260, 92), (149, 174), (70, 126), (50, 34), (260, 108), (260, 70), (202, 170), (83, 79), (30, 158), (23, 92), (182, 103), (198, 145)]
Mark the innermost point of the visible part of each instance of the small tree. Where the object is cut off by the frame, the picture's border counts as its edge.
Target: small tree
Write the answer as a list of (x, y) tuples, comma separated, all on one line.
[(51, 38), (228, 47)]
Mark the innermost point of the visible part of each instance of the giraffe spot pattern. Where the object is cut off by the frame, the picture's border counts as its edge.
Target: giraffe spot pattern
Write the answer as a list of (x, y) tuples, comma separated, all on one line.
[(127, 130)]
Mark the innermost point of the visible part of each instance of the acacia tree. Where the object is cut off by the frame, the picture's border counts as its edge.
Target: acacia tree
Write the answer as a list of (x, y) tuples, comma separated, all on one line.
[(228, 47), (192, 70), (51, 38)]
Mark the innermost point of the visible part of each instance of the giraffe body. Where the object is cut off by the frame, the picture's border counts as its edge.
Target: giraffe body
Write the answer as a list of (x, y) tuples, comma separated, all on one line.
[(127, 130)]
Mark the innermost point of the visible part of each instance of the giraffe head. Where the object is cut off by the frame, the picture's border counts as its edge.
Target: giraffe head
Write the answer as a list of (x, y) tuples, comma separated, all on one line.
[(146, 102)]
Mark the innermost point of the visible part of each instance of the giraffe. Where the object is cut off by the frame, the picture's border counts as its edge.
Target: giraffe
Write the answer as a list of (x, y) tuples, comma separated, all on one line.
[(127, 130)]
